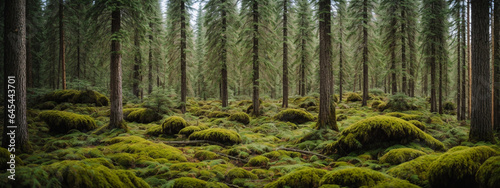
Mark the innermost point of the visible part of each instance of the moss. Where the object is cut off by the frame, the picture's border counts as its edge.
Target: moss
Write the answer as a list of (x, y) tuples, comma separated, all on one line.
[(450, 106), (399, 102), (488, 174), (138, 145), (224, 136), (184, 166), (329, 186), (407, 117), (143, 115), (401, 155), (154, 130), (378, 130), (281, 153), (186, 182), (123, 159), (260, 161), (62, 122), (75, 96), (218, 114), (46, 105), (393, 182), (240, 173), (5, 159), (305, 178), (382, 106), (418, 124), (216, 185), (241, 117), (261, 173), (205, 155), (415, 171), (294, 116), (353, 97), (341, 117), (186, 131), (173, 125), (458, 168), (376, 103), (353, 177)]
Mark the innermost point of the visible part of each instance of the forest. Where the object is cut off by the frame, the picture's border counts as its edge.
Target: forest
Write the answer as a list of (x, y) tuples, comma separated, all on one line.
[(250, 93)]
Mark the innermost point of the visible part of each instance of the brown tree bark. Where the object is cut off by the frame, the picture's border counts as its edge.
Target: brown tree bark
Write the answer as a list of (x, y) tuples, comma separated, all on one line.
[(481, 127), (136, 77), (150, 61), (365, 53), (394, 82), (459, 81), (285, 54), (255, 61), (341, 55), (404, 83), (469, 51), (464, 95), (116, 115), (29, 56), (224, 85), (183, 58), (62, 47), (15, 77), (303, 68), (496, 34)]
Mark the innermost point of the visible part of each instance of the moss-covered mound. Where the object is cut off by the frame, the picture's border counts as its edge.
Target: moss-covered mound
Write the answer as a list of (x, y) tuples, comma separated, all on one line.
[(457, 168), (154, 130), (341, 117), (418, 124), (400, 155), (259, 161), (218, 114), (377, 130), (173, 125), (186, 131), (294, 115), (224, 136), (205, 155), (82, 174), (143, 115), (241, 117), (187, 182), (354, 177), (375, 103), (305, 178), (5, 157), (62, 122), (76, 96), (240, 173), (415, 170), (407, 117), (488, 174), (140, 146), (353, 97)]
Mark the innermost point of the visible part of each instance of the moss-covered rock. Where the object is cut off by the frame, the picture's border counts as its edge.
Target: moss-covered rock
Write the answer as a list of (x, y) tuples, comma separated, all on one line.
[(259, 161), (382, 106), (143, 115), (458, 168), (400, 155), (418, 124), (220, 135), (187, 182), (488, 175), (407, 117), (294, 115), (62, 122), (123, 159), (6, 160), (376, 130), (354, 177), (415, 171), (218, 114), (241, 117), (281, 153), (216, 185), (154, 130), (76, 96), (341, 117), (240, 173), (140, 146), (375, 103), (205, 155), (304, 178), (186, 131), (353, 97), (173, 125)]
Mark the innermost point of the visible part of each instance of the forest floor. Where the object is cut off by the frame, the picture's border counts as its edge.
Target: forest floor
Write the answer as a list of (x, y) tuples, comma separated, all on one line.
[(143, 156)]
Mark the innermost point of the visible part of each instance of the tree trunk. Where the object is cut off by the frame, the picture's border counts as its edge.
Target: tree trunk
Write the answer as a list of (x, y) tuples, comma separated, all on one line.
[(255, 49), (459, 82), (183, 58), (496, 34), (481, 128), (394, 82), (464, 69), (326, 117), (150, 61), (469, 92), (29, 57), (224, 94), (403, 52), (285, 55), (303, 68), (341, 55), (440, 93), (78, 53), (412, 64), (137, 65), (15, 77), (62, 47), (116, 115), (433, 78), (365, 53)]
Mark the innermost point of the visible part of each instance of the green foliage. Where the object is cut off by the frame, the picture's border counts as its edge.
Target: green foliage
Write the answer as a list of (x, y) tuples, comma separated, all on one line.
[(305, 178), (154, 130), (400, 155), (218, 114), (294, 115), (186, 131), (173, 125), (241, 117), (353, 177), (353, 97), (399, 102), (415, 171), (138, 145), (377, 92), (418, 124), (341, 117), (62, 122), (259, 161), (382, 106), (223, 136), (281, 153), (375, 103), (123, 159), (379, 129), (488, 174), (457, 168), (404, 116), (159, 100), (216, 185), (143, 115), (240, 173), (450, 106), (5, 157), (46, 105), (205, 155), (76, 96)]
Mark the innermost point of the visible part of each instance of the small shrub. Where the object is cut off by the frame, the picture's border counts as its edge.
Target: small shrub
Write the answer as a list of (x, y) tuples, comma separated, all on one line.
[(143, 115), (294, 115), (223, 136), (173, 125), (488, 175), (304, 178), (260, 161), (401, 155), (241, 117), (450, 106), (353, 97), (62, 122), (399, 102)]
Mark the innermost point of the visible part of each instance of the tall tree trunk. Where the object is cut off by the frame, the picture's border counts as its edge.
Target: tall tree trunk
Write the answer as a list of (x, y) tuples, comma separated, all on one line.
[(78, 52), (459, 82), (116, 115), (326, 117), (341, 55), (464, 69), (303, 68), (62, 47), (29, 57), (412, 64), (183, 58), (433, 78), (403, 52), (255, 66), (224, 94), (150, 61), (481, 128), (365, 53), (440, 93), (15, 77), (469, 62), (137, 65), (496, 34), (285, 54), (394, 82)]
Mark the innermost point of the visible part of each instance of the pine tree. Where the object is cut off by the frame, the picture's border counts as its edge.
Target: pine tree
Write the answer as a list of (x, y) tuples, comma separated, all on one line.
[(303, 42), (341, 11), (496, 52), (286, 6)]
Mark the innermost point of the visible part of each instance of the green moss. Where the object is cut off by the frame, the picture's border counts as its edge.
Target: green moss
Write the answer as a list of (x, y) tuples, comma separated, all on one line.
[(241, 117), (458, 168), (224, 136), (382, 106), (205, 155), (216, 185), (173, 125), (418, 124), (377, 130), (218, 114), (62, 122), (123, 159), (401, 155), (450, 106), (375, 103), (407, 117), (46, 105), (138, 145), (329, 186), (154, 130), (184, 166), (240, 173), (399, 102), (143, 115), (186, 182), (353, 177), (186, 131), (353, 97), (341, 117), (394, 182), (5, 156), (415, 171), (305, 178), (260, 161), (294, 115), (488, 174), (75, 96)]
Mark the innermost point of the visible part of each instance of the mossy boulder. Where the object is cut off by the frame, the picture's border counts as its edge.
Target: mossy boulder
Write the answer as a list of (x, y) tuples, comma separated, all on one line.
[(240, 173), (143, 115), (341, 117), (205, 155), (224, 136), (141, 146), (173, 125), (400, 155), (488, 175), (418, 124), (241, 117), (5, 157), (62, 122), (187, 182), (218, 114), (415, 171), (353, 97), (186, 131), (154, 130), (354, 177), (304, 178), (407, 117), (294, 115), (379, 130), (258, 161), (282, 153), (458, 168), (375, 103), (76, 96)]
